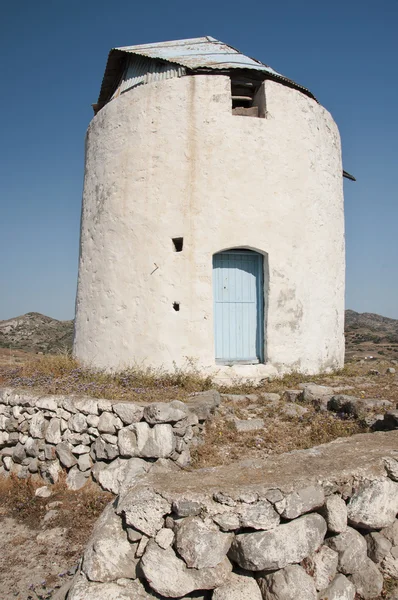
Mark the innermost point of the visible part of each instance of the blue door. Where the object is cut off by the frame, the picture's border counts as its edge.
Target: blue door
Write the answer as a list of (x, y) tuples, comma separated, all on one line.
[(238, 306)]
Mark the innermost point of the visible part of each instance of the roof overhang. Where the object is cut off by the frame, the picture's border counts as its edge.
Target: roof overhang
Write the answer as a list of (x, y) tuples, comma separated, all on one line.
[(197, 55)]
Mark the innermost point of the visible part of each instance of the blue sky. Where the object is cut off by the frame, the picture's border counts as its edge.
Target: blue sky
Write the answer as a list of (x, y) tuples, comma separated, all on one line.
[(53, 54)]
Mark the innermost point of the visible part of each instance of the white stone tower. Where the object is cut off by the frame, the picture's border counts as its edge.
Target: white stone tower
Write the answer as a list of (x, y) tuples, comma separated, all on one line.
[(212, 224)]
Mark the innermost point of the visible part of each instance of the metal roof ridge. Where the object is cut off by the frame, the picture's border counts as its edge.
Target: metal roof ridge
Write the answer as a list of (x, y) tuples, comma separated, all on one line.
[(199, 40)]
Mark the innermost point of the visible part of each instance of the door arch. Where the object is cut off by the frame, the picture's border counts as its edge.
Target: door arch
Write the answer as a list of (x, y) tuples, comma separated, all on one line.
[(238, 289)]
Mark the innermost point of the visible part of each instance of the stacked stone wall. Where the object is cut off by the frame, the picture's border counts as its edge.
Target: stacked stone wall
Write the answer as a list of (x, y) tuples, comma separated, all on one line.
[(99, 438), (205, 535)]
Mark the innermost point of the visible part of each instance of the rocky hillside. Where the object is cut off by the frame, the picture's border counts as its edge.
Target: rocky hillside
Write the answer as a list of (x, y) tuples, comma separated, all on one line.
[(383, 327), (368, 333), (34, 332)]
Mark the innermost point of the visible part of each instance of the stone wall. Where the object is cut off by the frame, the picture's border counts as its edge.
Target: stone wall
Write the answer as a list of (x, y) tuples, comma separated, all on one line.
[(309, 525), (107, 440)]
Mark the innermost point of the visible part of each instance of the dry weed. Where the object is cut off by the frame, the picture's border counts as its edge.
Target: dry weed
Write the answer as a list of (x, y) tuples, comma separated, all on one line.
[(62, 374), (222, 444)]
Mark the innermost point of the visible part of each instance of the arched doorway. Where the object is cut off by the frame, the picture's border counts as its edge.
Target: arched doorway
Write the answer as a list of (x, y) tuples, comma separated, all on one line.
[(238, 287)]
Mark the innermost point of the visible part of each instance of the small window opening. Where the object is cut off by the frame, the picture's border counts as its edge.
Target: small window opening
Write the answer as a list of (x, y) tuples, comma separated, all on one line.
[(176, 306), (248, 98), (178, 244)]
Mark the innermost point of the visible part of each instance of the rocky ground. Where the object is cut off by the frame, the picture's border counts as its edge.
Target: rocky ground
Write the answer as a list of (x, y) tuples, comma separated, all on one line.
[(42, 538), (295, 413)]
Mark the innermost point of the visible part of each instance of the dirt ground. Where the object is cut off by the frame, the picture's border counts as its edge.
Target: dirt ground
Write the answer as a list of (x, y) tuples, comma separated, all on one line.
[(42, 539)]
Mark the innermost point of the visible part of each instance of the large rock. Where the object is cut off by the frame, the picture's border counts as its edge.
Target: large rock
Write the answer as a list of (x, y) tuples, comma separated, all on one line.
[(169, 576), (38, 426), (84, 462), (391, 465), (374, 505), (340, 589), (238, 587), (161, 412), (76, 479), (87, 406), (143, 509), (302, 501), (65, 455), (378, 546), (19, 454), (316, 394), (164, 538), (47, 403), (186, 508), (82, 589), (322, 566), (368, 580), (201, 544), (78, 423), (103, 450), (275, 549), (260, 515), (290, 583), (139, 439), (391, 532), (335, 513), (204, 404), (128, 413), (121, 472), (313, 390), (107, 423), (351, 548), (227, 521), (109, 555), (53, 432)]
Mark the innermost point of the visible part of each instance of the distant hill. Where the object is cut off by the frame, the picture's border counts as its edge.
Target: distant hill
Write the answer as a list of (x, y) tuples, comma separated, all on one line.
[(34, 332), (378, 328), (370, 334)]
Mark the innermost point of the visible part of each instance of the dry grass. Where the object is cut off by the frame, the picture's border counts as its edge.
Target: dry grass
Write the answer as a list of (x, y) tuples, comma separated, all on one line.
[(62, 374), (80, 509), (223, 445)]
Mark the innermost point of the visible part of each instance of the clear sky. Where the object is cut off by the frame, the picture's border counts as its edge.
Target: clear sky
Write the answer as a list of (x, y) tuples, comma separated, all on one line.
[(53, 54)]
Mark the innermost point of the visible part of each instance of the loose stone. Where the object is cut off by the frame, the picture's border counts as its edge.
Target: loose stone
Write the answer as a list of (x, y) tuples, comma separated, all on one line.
[(284, 545), (201, 544), (290, 583), (302, 501), (374, 505), (238, 587), (335, 513)]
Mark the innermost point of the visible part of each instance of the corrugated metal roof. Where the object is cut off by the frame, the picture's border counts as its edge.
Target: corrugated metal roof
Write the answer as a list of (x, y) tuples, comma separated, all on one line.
[(196, 54), (143, 70)]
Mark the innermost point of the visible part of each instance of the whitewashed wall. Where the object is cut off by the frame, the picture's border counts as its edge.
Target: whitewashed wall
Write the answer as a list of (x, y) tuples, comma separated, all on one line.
[(169, 159)]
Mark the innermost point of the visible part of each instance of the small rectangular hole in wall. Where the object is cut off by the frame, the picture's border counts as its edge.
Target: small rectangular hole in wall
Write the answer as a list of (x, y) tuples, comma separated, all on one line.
[(176, 306), (248, 98), (178, 244)]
